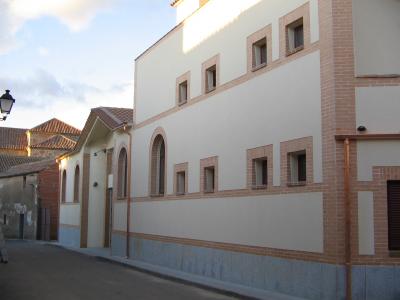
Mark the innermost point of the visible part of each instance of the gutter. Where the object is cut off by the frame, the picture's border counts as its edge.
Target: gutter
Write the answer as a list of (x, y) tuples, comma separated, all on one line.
[(347, 198)]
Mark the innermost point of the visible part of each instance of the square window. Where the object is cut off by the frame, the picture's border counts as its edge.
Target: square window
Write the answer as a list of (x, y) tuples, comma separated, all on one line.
[(209, 179), (181, 183), (260, 53), (260, 175), (295, 36), (211, 78), (183, 92), (297, 167)]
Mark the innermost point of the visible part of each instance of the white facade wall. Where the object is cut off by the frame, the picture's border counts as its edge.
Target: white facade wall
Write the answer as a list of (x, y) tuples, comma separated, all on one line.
[(257, 221), (262, 111), (378, 108), (70, 214), (376, 36), (197, 40), (376, 154)]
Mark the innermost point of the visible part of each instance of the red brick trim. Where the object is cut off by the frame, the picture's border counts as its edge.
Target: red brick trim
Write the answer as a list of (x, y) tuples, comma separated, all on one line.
[(185, 77), (85, 199), (300, 12), (183, 167), (266, 33), (294, 146), (207, 163), (257, 153), (288, 254), (158, 132), (371, 81)]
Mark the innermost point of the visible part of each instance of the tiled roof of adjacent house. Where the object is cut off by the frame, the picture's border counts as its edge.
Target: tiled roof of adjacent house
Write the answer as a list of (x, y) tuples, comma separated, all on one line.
[(57, 142), (8, 161), (56, 126), (112, 117), (28, 168), (13, 138)]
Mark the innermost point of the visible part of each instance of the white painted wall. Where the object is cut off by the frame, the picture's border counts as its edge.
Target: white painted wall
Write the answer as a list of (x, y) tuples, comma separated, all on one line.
[(185, 9), (256, 221), (69, 164), (70, 214), (376, 153), (376, 36), (378, 108), (219, 27), (260, 112), (119, 216), (366, 239)]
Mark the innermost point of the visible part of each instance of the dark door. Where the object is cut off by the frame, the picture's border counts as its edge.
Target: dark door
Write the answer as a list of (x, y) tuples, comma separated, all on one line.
[(393, 188), (21, 226)]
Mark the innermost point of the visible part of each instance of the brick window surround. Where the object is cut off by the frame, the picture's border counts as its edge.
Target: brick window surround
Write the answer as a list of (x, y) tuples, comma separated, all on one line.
[(179, 168), (210, 162), (77, 182), (64, 187), (293, 146), (302, 12), (157, 168), (122, 175), (264, 152), (214, 61), (181, 79), (264, 33)]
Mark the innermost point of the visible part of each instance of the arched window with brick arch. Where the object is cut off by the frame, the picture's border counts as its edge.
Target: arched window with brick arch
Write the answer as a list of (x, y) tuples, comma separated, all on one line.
[(122, 174), (76, 184), (64, 186), (158, 166)]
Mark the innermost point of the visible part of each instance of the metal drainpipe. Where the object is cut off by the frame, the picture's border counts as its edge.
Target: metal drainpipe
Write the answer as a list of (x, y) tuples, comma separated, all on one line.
[(348, 218), (128, 212)]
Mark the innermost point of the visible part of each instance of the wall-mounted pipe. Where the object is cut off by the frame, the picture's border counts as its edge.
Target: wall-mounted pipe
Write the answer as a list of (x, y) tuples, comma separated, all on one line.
[(347, 200)]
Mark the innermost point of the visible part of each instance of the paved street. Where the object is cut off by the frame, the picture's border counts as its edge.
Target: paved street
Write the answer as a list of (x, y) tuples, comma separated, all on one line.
[(48, 273)]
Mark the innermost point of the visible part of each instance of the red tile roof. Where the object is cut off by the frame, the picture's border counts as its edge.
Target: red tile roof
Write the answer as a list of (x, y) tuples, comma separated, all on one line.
[(28, 168), (57, 142), (56, 126), (13, 138), (112, 117), (8, 161)]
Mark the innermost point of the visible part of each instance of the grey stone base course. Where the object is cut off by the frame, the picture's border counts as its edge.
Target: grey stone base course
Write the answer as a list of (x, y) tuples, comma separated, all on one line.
[(252, 275)]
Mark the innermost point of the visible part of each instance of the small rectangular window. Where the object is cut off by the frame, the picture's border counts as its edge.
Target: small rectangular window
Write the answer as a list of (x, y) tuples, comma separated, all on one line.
[(183, 92), (393, 198), (295, 36), (260, 176), (209, 179), (24, 182), (211, 78), (5, 219), (260, 53), (297, 167), (181, 183)]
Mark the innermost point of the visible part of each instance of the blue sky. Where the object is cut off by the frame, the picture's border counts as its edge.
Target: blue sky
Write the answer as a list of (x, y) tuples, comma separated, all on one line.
[(61, 58)]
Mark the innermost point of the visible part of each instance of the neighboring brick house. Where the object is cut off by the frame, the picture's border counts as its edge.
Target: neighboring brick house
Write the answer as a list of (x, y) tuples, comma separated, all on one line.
[(28, 200), (264, 154), (50, 139)]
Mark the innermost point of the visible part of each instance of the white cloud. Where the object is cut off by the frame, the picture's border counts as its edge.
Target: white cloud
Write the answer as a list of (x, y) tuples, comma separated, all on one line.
[(42, 96), (76, 14), (43, 51)]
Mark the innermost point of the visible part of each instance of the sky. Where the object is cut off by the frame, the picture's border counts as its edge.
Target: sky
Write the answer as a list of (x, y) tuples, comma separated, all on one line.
[(60, 58)]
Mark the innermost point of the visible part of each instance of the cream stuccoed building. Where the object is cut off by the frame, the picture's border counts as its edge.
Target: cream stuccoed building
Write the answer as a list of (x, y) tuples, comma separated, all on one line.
[(262, 155)]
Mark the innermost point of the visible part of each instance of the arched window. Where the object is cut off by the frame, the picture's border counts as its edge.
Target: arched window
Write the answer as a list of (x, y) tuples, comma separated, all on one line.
[(122, 174), (158, 166), (76, 184), (64, 186)]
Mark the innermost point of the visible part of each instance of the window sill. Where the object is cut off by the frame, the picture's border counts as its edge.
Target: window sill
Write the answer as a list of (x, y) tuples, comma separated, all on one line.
[(180, 194), (394, 253), (122, 198), (211, 90), (294, 184), (157, 196), (256, 68), (209, 192), (294, 51), (182, 103), (259, 187)]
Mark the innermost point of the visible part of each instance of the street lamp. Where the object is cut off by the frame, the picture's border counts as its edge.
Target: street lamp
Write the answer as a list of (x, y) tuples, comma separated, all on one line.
[(6, 104)]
